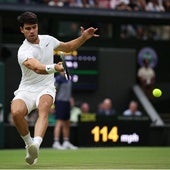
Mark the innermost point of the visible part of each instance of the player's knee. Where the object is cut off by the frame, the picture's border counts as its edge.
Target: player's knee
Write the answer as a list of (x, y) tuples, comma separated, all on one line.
[(16, 113), (44, 107)]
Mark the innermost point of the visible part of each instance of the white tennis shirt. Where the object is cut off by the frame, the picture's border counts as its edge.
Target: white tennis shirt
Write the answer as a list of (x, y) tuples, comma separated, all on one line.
[(43, 52)]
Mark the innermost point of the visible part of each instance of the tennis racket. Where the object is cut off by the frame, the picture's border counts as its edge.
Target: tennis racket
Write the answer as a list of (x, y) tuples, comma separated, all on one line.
[(66, 71)]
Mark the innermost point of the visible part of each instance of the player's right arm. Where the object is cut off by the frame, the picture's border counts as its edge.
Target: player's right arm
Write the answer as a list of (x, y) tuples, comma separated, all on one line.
[(78, 42), (36, 66)]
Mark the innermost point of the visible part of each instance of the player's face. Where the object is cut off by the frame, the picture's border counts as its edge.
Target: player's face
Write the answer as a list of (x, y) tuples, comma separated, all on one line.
[(30, 32)]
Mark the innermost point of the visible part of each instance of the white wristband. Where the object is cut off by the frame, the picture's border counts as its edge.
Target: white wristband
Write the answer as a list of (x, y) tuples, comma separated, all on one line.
[(50, 68)]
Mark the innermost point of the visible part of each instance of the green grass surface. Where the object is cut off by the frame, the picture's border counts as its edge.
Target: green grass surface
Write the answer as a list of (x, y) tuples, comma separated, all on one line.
[(91, 158)]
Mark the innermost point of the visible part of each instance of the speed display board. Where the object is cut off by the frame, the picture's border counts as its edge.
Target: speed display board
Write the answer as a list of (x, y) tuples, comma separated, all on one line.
[(95, 130)]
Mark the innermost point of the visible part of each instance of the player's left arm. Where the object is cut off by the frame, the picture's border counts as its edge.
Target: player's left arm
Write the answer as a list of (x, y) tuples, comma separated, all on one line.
[(76, 43)]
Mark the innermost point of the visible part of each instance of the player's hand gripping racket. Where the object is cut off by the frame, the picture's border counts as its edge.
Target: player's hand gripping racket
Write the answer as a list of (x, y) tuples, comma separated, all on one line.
[(66, 71)]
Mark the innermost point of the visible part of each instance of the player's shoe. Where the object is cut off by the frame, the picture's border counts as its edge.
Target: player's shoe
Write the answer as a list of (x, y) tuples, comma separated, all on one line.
[(32, 152), (57, 145), (68, 145)]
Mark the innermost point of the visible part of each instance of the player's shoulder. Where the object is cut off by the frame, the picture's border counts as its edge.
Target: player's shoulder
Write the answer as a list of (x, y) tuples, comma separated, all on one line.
[(24, 46), (45, 37)]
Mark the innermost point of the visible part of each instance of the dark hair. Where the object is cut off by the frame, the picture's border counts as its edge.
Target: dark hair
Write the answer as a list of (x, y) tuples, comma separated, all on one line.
[(27, 18)]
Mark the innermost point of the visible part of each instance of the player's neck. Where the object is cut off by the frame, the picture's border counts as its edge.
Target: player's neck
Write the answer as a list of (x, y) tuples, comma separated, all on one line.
[(36, 41)]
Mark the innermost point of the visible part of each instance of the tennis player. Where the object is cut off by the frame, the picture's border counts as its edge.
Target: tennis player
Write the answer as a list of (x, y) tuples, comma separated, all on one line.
[(36, 89)]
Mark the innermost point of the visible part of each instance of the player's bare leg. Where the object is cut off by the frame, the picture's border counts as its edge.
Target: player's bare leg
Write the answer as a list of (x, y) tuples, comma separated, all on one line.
[(19, 111), (40, 128), (44, 106)]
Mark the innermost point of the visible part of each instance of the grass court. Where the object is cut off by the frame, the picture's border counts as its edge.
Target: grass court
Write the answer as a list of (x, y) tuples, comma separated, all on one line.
[(90, 158)]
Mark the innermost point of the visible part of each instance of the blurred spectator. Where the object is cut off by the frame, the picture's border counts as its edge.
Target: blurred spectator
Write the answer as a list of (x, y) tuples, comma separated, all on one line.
[(85, 108), (165, 32), (133, 5), (128, 31), (69, 28), (114, 3), (166, 5), (135, 32), (74, 29), (132, 110), (129, 5), (90, 3), (145, 32), (146, 76), (103, 4), (106, 108), (75, 3), (75, 111), (154, 6), (59, 3), (123, 5), (141, 4), (142, 33)]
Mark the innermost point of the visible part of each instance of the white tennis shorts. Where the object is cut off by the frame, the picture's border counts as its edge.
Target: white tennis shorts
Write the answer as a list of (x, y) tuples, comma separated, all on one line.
[(31, 99)]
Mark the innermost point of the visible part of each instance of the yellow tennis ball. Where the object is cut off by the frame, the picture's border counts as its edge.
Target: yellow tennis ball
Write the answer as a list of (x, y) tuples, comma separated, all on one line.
[(157, 92)]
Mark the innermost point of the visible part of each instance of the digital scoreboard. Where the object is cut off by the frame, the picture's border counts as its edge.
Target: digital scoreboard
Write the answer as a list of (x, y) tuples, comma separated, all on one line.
[(83, 68), (101, 130)]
